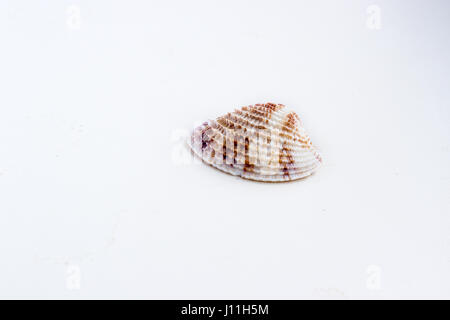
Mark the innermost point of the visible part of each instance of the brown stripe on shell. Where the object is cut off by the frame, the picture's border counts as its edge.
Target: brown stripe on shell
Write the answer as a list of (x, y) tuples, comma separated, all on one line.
[(290, 125), (248, 167), (286, 159), (248, 123), (272, 106), (267, 107), (224, 149), (263, 115), (265, 111), (232, 121), (291, 120), (225, 122), (256, 118), (235, 150)]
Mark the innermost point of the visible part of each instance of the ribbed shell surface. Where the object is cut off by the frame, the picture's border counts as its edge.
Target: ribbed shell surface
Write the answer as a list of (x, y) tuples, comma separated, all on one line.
[(263, 142)]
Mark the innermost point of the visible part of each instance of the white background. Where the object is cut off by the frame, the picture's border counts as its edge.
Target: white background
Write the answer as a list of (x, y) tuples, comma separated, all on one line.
[(94, 202)]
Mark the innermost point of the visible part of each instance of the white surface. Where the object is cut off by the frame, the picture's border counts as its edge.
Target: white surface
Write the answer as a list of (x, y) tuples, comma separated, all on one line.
[(93, 201)]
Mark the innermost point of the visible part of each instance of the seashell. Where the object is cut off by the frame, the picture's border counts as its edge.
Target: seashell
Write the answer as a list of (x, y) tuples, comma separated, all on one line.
[(264, 142)]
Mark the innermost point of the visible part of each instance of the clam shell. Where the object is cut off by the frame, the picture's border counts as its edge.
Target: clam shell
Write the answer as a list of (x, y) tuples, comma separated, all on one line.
[(264, 142)]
